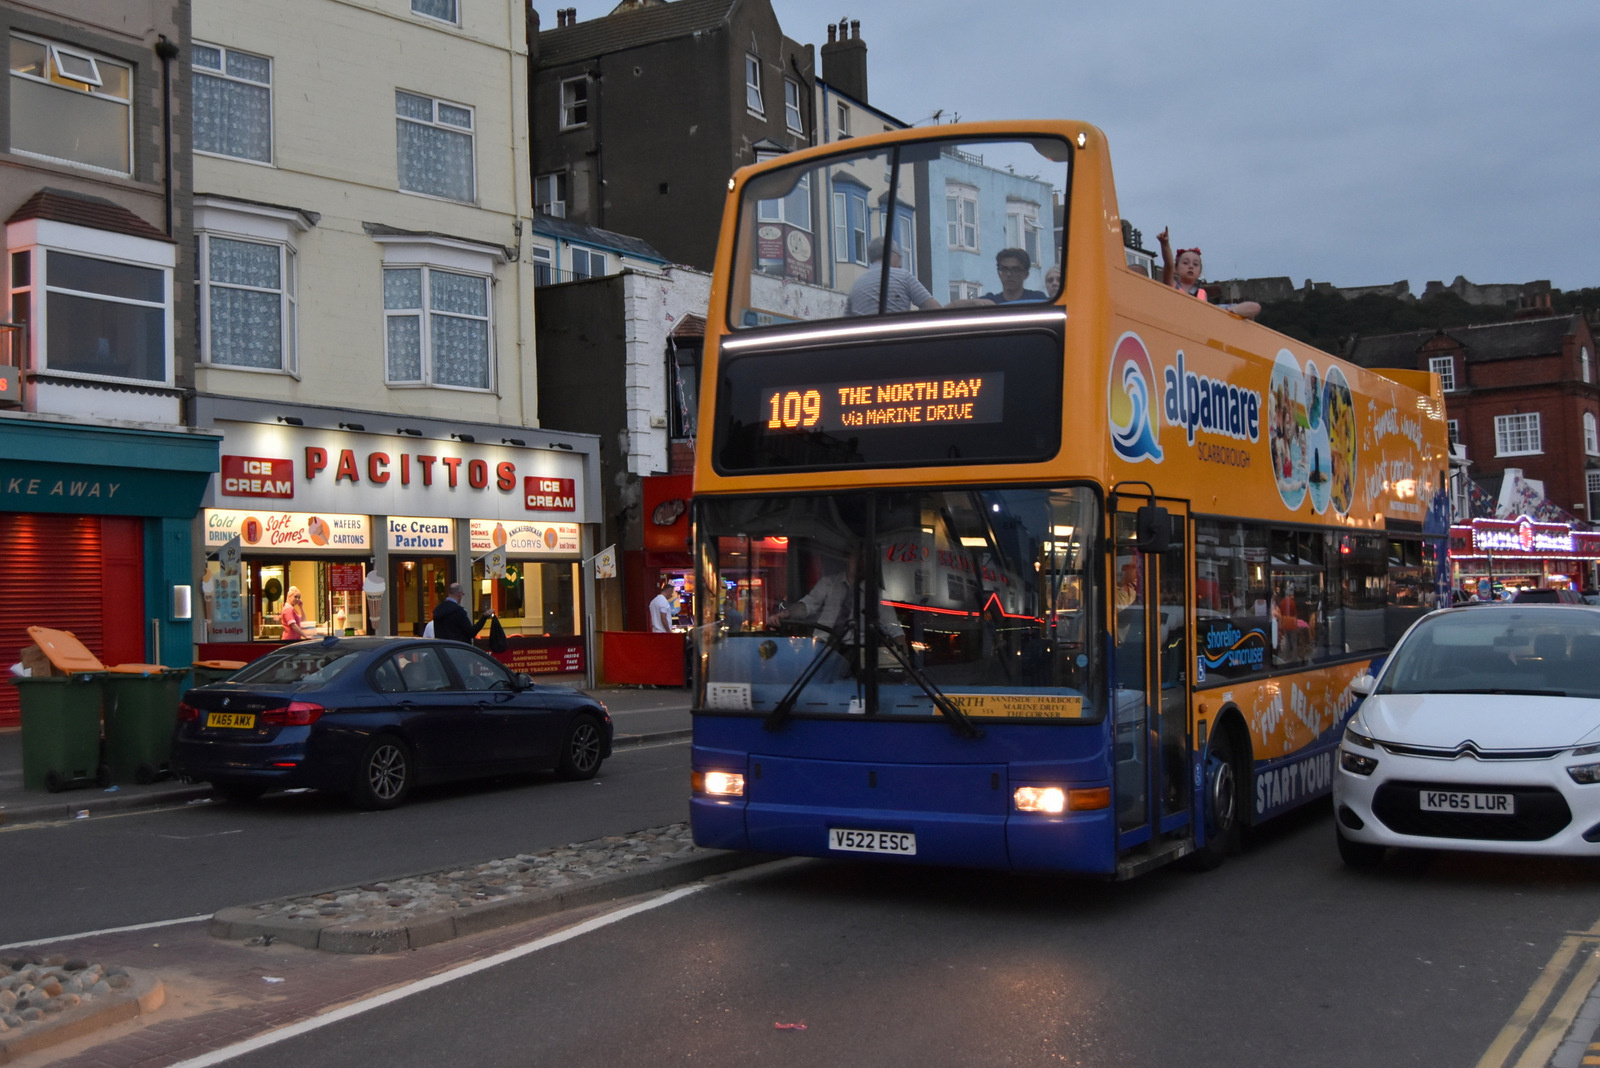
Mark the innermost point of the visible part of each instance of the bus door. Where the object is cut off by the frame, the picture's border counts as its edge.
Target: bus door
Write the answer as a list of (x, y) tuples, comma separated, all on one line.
[(1150, 683)]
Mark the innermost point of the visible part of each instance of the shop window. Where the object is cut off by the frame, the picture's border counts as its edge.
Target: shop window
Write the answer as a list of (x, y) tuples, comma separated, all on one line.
[(71, 105), (94, 315), (332, 601), (435, 145), (232, 103), (436, 326), (534, 597)]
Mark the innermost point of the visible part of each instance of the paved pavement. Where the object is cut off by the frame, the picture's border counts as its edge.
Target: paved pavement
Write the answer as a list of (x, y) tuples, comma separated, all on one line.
[(638, 714)]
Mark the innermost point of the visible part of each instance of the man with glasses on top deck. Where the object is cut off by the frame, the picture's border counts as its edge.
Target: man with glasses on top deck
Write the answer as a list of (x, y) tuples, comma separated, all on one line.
[(1012, 264)]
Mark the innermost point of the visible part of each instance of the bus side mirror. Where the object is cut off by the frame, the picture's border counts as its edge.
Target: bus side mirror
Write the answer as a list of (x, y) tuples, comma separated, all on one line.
[(1152, 529)]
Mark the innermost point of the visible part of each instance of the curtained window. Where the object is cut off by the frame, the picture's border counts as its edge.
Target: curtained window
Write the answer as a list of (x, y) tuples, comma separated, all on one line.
[(436, 327), (248, 303), (435, 147), (232, 103)]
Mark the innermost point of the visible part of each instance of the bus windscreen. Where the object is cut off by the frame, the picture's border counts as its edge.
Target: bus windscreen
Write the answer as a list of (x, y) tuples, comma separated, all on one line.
[(969, 223)]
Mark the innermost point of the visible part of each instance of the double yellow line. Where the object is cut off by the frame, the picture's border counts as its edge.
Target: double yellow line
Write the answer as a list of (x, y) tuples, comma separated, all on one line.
[(1577, 963)]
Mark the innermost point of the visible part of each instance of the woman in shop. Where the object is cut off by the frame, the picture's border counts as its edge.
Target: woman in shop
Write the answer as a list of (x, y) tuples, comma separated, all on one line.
[(293, 617)]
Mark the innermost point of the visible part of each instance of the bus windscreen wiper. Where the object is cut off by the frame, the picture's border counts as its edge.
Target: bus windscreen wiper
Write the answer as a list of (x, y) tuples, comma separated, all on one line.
[(960, 722), (780, 712)]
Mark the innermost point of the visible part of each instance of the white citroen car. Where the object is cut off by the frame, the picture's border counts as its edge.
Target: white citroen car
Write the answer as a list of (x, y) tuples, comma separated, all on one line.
[(1482, 732)]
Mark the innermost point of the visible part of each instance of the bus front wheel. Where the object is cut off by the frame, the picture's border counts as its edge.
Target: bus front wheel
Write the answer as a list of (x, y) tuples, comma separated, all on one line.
[(1220, 803)]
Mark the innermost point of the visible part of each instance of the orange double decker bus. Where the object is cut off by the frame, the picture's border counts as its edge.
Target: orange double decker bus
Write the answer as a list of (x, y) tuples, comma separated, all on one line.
[(1009, 555)]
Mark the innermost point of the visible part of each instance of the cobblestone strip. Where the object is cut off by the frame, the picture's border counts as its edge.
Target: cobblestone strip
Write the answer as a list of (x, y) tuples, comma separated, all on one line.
[(48, 1000), (420, 910)]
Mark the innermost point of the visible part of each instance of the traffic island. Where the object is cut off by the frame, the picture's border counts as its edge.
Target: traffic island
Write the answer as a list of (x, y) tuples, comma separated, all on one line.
[(421, 910), (51, 1000)]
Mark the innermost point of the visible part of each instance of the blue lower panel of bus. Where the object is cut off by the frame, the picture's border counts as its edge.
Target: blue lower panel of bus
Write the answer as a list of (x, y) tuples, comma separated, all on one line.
[(960, 814)]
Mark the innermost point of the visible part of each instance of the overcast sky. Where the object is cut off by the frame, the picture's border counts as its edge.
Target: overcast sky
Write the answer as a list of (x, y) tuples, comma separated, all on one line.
[(1358, 143)]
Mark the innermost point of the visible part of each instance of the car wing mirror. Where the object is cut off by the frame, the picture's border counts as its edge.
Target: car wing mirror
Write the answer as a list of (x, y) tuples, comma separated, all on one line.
[(522, 681), (1363, 684)]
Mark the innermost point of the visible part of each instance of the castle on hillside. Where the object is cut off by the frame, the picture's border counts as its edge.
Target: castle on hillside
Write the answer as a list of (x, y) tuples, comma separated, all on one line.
[(1269, 290)]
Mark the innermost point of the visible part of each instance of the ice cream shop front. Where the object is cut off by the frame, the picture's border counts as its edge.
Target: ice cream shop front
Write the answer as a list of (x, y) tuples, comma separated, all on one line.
[(370, 529)]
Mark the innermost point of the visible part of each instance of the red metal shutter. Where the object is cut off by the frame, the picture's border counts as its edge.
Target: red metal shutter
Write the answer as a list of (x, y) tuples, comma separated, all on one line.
[(51, 575)]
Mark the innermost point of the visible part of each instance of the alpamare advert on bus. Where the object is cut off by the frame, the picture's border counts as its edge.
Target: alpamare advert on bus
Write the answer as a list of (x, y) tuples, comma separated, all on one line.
[(1308, 417)]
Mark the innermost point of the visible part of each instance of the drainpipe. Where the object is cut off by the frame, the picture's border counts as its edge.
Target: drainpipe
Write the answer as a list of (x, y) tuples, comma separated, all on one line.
[(167, 51)]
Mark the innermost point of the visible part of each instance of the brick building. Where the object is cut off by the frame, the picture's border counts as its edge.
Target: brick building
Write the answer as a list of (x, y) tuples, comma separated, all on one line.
[(1520, 395)]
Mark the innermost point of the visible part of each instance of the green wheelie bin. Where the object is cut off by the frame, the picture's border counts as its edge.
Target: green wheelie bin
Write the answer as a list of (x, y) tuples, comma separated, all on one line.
[(141, 710), (61, 731)]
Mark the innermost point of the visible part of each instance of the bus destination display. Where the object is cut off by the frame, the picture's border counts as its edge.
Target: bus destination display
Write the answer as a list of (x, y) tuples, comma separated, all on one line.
[(900, 402)]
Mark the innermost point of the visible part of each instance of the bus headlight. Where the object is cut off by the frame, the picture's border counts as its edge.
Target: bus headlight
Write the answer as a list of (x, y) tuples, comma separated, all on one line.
[(1053, 800), (1047, 799), (717, 783)]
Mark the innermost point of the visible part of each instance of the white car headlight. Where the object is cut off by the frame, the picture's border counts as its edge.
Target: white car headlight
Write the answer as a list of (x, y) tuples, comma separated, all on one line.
[(1353, 736)]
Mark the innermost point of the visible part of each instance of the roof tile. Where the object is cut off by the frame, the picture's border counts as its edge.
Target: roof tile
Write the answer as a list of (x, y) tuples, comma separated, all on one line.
[(76, 209)]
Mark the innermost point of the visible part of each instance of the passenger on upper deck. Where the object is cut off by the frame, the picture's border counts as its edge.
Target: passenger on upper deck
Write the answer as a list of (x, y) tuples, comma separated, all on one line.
[(905, 292), (1183, 274), (1012, 265)]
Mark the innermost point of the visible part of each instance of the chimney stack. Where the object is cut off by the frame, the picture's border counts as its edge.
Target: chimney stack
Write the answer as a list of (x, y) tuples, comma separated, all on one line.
[(844, 59)]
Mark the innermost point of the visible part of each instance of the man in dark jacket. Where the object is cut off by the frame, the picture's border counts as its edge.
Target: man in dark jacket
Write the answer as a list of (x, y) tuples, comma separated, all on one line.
[(451, 621)]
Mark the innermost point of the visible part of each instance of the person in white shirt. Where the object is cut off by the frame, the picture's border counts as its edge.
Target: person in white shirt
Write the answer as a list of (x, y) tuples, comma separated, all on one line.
[(661, 610), (829, 603)]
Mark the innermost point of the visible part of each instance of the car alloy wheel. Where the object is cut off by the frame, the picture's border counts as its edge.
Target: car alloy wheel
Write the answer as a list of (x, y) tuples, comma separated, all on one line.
[(384, 775), (580, 753)]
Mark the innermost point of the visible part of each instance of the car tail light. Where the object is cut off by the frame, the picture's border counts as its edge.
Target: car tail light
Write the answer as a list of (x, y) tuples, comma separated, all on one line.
[(187, 713), (297, 714)]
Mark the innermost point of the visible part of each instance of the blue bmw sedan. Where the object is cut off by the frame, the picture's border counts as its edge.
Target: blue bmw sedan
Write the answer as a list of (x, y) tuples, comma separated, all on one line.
[(374, 717)]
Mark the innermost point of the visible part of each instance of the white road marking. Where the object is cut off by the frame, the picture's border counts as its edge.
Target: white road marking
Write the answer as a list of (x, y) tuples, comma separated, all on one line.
[(108, 930), (272, 1038)]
